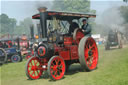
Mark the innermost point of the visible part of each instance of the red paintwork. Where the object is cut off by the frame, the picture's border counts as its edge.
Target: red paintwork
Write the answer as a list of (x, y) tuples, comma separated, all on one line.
[(65, 54), (9, 44), (69, 51), (79, 35), (24, 45), (68, 40), (74, 52)]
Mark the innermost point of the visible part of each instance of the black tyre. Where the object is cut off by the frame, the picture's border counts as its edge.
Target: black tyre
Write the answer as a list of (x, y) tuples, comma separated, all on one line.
[(3, 56), (16, 58)]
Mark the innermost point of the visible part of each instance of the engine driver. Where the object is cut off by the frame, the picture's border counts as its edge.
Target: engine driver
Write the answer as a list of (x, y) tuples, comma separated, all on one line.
[(86, 27)]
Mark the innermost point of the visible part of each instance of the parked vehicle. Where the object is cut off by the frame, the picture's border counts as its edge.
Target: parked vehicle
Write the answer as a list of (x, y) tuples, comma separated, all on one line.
[(11, 48)]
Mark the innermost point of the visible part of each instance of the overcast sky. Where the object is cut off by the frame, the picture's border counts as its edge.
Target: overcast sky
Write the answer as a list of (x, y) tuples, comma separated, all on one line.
[(21, 9)]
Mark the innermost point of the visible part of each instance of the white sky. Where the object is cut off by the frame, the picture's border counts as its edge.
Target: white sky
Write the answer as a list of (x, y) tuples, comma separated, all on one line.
[(26, 8), (52, 0)]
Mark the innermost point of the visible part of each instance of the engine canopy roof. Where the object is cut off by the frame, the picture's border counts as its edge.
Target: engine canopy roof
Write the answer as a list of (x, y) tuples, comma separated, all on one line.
[(64, 15)]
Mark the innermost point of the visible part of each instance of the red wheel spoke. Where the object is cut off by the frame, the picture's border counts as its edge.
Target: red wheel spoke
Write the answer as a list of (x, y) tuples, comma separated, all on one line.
[(57, 61), (60, 66), (55, 73), (60, 71), (93, 46), (54, 68), (53, 64), (31, 63), (32, 73), (35, 62), (37, 72), (86, 46)]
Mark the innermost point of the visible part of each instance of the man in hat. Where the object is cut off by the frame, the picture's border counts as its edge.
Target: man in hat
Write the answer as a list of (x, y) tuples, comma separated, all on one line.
[(86, 27)]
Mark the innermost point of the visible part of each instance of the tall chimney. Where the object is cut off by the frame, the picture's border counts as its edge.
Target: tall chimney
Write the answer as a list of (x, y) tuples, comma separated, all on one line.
[(43, 23)]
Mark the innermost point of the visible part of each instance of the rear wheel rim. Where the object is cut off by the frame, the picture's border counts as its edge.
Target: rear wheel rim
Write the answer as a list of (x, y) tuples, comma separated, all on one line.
[(33, 68), (91, 53), (57, 68), (78, 34)]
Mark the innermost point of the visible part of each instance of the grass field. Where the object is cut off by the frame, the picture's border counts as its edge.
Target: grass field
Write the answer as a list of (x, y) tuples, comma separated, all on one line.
[(112, 70)]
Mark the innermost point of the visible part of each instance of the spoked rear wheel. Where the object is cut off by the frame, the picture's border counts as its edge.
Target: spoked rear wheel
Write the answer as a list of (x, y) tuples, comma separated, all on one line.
[(56, 68), (77, 35), (33, 68), (88, 53)]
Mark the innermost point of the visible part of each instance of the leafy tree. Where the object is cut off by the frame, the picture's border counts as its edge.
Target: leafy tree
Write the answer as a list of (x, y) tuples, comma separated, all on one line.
[(7, 24), (124, 13), (24, 27), (125, 1), (72, 6)]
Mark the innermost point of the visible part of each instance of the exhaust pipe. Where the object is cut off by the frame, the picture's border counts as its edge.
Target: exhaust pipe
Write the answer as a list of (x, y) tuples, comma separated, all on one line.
[(39, 31), (43, 22), (32, 31)]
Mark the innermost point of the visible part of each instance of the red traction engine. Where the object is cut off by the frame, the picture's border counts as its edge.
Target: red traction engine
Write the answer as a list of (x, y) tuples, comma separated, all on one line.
[(56, 54)]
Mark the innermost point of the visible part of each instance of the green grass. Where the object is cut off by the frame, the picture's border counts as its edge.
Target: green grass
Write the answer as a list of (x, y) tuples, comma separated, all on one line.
[(112, 70)]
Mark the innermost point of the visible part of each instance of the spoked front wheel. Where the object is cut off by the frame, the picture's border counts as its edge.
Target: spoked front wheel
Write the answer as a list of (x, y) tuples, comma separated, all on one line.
[(88, 53), (56, 68), (33, 68)]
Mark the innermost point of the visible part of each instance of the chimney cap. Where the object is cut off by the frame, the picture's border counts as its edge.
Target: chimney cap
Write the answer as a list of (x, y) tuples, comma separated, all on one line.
[(42, 9)]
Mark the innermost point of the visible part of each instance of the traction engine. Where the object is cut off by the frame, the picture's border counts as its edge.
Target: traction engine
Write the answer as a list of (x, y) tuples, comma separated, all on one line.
[(56, 54)]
